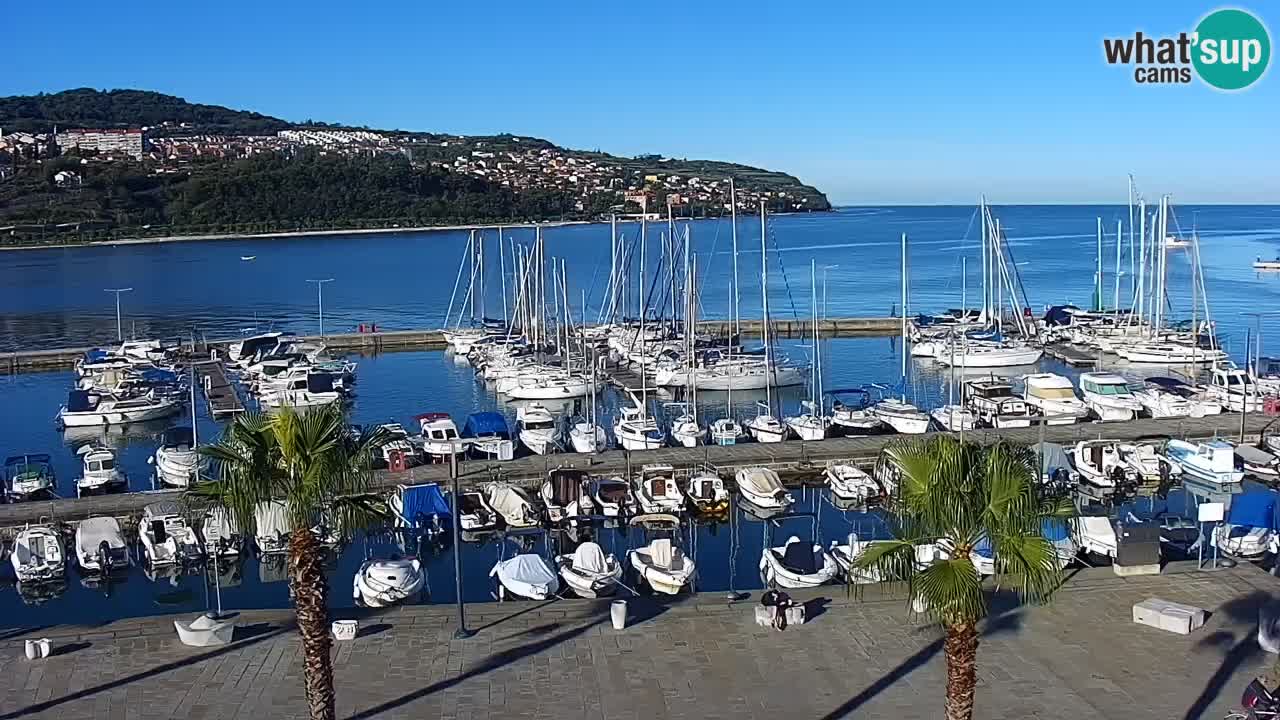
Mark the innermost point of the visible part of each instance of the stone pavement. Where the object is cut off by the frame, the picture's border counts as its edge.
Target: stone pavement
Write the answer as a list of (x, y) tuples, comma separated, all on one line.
[(1079, 658)]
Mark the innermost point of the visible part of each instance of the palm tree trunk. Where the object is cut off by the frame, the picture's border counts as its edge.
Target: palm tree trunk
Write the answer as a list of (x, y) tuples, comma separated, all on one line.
[(310, 602), (961, 650)]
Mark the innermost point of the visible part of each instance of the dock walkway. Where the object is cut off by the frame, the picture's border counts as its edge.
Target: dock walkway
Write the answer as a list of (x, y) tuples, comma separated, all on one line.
[(220, 393)]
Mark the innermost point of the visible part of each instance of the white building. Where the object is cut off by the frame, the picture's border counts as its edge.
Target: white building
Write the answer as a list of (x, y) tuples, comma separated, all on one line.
[(111, 143)]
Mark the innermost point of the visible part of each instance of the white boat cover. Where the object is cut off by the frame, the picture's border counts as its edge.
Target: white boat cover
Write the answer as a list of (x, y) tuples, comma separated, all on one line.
[(526, 575), (93, 531), (222, 520), (1096, 533), (508, 502), (759, 481), (661, 552), (271, 518), (161, 509), (589, 558)]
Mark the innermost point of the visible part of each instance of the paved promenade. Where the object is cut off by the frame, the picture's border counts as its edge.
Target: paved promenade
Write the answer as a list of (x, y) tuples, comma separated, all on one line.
[(1080, 658)]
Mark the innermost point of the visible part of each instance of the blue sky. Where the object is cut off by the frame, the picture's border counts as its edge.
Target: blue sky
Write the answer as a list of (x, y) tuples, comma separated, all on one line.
[(904, 102)]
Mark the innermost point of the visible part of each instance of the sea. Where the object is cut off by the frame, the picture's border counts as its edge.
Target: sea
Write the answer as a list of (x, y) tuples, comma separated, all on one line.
[(58, 297)]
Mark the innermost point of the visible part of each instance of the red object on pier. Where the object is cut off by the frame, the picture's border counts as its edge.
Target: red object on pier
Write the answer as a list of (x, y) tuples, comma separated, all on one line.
[(1271, 406), (396, 461)]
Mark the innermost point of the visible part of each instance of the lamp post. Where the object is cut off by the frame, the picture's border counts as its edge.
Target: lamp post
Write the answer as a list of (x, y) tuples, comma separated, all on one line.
[(320, 299), (118, 292), (462, 633)]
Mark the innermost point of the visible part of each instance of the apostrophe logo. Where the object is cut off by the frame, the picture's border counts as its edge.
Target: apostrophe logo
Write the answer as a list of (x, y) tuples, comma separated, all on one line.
[(1230, 49)]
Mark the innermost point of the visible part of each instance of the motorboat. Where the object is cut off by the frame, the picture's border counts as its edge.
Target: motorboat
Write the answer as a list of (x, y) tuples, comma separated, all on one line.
[(902, 416), (635, 430), (440, 440), (761, 487), (314, 389), (810, 425), (1058, 532), (1108, 396), (100, 545), (37, 555), (512, 504), (849, 482), (797, 564), (177, 459), (562, 493), (422, 508), (398, 450), (1147, 460), (240, 354), (1169, 353), (1242, 540), (1198, 398), (537, 429), (166, 537), (1054, 397), (589, 572), (995, 405), (382, 582), (846, 558), (1268, 265), (1158, 402), (525, 576), (1257, 461), (726, 431), (91, 408), (587, 437), (955, 418), (1234, 389), (655, 490), (28, 476), (488, 437), (271, 518), (222, 536), (1101, 464), (99, 472), (1212, 461), (609, 497), (663, 566), (1095, 535), (707, 492), (475, 514), (850, 410)]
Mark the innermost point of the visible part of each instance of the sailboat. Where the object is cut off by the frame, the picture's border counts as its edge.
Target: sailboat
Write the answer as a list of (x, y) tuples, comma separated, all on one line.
[(899, 414), (812, 424), (765, 427), (727, 430), (952, 416)]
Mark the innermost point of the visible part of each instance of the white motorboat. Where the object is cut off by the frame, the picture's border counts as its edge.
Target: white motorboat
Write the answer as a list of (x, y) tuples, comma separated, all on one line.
[(1054, 397), (488, 437), (90, 408), (475, 514), (954, 418), (100, 545), (1147, 460), (1198, 398), (166, 537), (1269, 265), (241, 354), (272, 520), (537, 429), (761, 487), (1242, 540), (221, 534), (587, 437), (99, 472), (849, 482), (1212, 461), (1235, 390), (1100, 463), (635, 430), (810, 425), (37, 555), (726, 431), (766, 428), (525, 576), (902, 416), (28, 476), (707, 492), (1095, 535), (512, 504), (978, 354), (1169, 353), (398, 450), (663, 565), (315, 389), (845, 557), (562, 493), (440, 439), (177, 458), (386, 582), (589, 572), (1108, 396), (555, 387), (1257, 461), (995, 404), (1157, 402), (655, 490), (797, 564), (609, 497), (850, 410)]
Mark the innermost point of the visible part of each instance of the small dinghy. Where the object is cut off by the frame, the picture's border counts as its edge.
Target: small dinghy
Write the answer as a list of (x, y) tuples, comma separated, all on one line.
[(385, 582), (761, 487), (707, 491), (100, 545), (609, 496), (510, 502), (474, 512), (28, 476), (656, 490), (166, 537), (849, 482), (37, 555), (797, 564), (663, 566), (525, 576), (846, 555), (589, 572)]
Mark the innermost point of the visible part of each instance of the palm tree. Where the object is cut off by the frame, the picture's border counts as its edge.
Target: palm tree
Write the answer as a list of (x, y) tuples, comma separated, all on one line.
[(959, 497), (321, 472)]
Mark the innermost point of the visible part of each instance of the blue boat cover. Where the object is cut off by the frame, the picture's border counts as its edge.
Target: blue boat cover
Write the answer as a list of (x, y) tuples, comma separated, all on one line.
[(486, 424), (319, 382), (1054, 529), (157, 376), (78, 401), (423, 501), (1058, 315), (96, 355), (1256, 508)]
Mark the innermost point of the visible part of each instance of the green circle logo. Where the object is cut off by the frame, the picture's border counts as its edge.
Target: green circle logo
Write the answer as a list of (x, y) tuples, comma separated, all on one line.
[(1232, 49)]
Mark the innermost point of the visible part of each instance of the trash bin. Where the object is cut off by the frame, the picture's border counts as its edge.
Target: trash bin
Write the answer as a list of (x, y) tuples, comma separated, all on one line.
[(618, 614)]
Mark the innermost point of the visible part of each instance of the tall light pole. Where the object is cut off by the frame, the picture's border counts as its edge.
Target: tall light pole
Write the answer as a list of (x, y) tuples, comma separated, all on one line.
[(119, 327), (320, 299)]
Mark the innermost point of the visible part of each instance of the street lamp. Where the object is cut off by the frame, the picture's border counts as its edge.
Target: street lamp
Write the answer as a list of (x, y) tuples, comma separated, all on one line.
[(118, 291), (462, 632), (320, 299)]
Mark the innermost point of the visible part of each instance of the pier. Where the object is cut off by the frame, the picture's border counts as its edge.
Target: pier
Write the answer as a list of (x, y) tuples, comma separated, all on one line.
[(223, 398), (798, 460), (1073, 355)]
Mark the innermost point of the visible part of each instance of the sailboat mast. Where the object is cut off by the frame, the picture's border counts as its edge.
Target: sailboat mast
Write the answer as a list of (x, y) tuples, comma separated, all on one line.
[(1097, 277), (903, 348), (644, 379), (764, 308), (484, 289), (1119, 231), (733, 291), (986, 310), (1142, 261), (502, 273)]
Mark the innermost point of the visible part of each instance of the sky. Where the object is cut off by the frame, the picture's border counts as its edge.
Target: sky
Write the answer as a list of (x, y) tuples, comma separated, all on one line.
[(922, 103)]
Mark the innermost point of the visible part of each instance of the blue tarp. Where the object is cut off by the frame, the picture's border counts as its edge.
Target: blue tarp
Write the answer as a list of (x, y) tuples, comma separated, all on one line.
[(486, 424), (1256, 508), (319, 382), (421, 502), (156, 376), (96, 355), (79, 401), (1058, 315), (1053, 529)]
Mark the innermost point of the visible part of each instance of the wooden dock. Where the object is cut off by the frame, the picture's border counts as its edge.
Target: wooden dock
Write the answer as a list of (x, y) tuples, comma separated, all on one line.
[(1072, 354), (220, 393), (798, 460)]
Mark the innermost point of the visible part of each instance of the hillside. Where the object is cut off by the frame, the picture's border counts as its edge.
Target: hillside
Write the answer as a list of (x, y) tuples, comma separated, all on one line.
[(210, 169)]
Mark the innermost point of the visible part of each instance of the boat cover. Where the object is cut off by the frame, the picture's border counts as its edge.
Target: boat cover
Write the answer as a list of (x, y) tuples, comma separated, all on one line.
[(161, 509), (1256, 509), (1054, 529), (319, 383), (798, 557), (272, 518), (178, 437), (96, 355), (158, 376), (1052, 457), (566, 486), (81, 401), (92, 532), (420, 502), (526, 575), (662, 553), (1059, 315), (486, 424), (508, 502), (220, 518), (589, 558), (760, 481)]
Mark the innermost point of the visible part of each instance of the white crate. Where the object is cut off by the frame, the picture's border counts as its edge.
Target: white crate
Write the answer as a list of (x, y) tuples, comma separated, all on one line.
[(1169, 616)]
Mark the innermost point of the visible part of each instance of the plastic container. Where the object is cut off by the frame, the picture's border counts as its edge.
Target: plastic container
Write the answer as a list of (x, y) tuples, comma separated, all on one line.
[(618, 614), (345, 629)]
